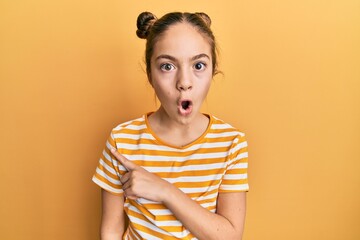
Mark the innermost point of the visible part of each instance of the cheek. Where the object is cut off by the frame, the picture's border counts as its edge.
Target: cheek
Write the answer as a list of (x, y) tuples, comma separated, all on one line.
[(205, 91), (206, 84), (162, 91)]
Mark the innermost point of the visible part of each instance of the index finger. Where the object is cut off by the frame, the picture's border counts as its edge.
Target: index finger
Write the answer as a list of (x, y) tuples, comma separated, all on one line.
[(123, 160)]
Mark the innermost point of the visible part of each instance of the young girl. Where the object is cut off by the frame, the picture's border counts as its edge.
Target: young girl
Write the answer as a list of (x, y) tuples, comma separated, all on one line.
[(175, 173)]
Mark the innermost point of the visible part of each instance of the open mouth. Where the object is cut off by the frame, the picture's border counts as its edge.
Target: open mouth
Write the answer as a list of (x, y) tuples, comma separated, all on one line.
[(185, 104), (185, 107)]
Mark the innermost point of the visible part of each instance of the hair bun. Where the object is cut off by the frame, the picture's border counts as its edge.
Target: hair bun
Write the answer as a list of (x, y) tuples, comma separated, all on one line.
[(144, 23), (205, 18)]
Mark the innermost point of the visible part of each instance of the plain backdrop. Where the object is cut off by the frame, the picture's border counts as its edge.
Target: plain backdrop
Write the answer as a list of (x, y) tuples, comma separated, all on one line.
[(72, 70)]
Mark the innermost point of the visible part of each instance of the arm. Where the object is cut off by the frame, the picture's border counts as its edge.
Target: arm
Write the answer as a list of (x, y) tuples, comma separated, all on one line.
[(226, 223), (112, 221)]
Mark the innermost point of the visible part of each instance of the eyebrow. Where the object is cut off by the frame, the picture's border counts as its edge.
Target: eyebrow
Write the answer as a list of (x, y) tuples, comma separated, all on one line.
[(166, 56)]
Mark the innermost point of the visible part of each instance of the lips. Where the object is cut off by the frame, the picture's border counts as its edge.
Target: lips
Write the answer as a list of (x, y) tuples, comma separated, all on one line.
[(185, 107)]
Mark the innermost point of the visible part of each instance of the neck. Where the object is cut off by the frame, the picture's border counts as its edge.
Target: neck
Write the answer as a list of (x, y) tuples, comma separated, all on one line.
[(177, 133), (164, 121)]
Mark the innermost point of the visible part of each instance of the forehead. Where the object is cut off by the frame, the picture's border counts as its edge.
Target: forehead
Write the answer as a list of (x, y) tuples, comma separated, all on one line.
[(182, 40)]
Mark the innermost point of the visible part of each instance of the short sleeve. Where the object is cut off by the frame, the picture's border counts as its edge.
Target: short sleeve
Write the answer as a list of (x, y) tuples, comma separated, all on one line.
[(235, 178), (109, 170)]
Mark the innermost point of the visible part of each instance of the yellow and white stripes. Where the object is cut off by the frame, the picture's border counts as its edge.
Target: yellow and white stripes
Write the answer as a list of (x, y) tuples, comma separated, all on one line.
[(216, 162)]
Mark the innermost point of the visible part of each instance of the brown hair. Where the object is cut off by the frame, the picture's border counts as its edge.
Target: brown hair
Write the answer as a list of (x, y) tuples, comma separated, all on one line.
[(151, 28)]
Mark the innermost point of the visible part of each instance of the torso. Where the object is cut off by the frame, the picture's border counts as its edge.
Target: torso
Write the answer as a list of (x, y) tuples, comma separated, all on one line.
[(214, 162)]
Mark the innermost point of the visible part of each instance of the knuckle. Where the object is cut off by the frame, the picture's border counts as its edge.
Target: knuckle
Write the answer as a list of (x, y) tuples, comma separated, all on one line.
[(134, 174)]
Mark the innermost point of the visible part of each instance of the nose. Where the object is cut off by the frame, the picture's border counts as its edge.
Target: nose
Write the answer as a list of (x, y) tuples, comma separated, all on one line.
[(184, 81)]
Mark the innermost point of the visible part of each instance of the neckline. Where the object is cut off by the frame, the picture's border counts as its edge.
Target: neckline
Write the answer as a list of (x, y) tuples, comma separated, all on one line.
[(162, 142)]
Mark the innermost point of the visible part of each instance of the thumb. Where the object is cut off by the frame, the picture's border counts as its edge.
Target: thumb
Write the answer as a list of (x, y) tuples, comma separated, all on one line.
[(123, 160)]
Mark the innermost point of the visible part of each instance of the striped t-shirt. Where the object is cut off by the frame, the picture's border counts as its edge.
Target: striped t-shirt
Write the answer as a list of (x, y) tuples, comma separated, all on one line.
[(215, 162)]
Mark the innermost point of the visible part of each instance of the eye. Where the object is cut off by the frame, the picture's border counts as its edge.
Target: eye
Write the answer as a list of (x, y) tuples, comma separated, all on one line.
[(167, 67), (199, 66)]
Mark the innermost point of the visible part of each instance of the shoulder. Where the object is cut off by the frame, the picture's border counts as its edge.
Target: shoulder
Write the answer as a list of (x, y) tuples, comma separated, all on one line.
[(135, 124), (132, 129), (220, 127), (221, 131)]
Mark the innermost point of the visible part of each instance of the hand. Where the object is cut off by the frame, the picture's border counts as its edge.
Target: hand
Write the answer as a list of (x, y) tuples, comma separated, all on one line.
[(139, 183)]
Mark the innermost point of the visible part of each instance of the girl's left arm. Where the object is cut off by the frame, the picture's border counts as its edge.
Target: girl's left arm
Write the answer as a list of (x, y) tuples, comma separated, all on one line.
[(226, 223)]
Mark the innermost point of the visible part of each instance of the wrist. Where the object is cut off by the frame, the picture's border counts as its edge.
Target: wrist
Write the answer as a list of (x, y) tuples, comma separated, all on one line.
[(168, 193)]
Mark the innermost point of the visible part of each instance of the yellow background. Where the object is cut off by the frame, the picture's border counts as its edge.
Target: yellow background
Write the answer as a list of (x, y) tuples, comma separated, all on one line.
[(72, 70)]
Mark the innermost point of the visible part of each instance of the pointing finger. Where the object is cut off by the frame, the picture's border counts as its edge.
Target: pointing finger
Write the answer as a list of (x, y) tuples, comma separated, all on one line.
[(123, 160)]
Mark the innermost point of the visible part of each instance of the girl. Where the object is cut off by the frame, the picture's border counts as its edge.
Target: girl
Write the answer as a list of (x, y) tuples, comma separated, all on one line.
[(175, 173)]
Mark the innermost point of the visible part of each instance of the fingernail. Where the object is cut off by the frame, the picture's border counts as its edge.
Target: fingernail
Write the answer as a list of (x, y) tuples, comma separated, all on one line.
[(112, 149)]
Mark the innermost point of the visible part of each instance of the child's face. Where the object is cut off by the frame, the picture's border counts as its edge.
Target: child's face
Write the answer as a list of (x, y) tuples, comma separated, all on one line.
[(181, 71)]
